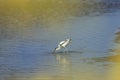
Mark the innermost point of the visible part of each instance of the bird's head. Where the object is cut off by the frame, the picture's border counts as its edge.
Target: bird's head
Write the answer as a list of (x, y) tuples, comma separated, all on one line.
[(57, 48)]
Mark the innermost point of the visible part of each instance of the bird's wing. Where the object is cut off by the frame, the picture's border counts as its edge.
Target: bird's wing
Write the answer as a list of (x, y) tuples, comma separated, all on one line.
[(61, 42)]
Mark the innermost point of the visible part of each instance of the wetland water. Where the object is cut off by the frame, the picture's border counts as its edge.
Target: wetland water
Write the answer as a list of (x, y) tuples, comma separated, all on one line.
[(26, 51)]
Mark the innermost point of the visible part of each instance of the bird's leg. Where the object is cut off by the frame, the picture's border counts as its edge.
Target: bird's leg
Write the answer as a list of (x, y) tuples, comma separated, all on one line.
[(66, 50)]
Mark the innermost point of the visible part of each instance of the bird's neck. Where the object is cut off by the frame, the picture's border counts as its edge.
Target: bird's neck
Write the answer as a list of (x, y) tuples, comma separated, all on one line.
[(58, 48)]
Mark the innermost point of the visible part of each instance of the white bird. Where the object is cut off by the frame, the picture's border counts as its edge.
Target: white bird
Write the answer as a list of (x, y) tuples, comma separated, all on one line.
[(62, 44)]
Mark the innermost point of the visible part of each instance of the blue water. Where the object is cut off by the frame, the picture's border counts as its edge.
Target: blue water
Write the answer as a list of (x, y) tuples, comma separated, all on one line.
[(26, 57)]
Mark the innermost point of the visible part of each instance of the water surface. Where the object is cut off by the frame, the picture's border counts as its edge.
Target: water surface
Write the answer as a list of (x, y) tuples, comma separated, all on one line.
[(26, 48)]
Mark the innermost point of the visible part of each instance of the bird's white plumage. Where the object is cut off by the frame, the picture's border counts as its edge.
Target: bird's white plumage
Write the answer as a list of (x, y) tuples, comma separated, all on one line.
[(63, 44), (66, 43)]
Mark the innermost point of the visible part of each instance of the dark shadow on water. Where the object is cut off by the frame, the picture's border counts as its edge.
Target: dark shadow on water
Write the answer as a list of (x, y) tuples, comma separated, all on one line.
[(114, 59), (67, 52), (100, 59)]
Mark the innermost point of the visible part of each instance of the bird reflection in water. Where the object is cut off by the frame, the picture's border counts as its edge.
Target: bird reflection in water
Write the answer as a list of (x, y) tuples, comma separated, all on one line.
[(64, 63)]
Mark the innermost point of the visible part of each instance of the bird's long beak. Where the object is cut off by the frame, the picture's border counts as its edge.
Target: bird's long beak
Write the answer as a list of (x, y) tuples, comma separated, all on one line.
[(54, 51)]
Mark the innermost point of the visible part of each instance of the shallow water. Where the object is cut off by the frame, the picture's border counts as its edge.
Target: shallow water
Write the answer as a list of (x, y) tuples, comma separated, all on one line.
[(27, 54)]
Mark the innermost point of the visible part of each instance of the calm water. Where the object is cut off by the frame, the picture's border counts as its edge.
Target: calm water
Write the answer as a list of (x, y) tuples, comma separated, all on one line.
[(27, 55)]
